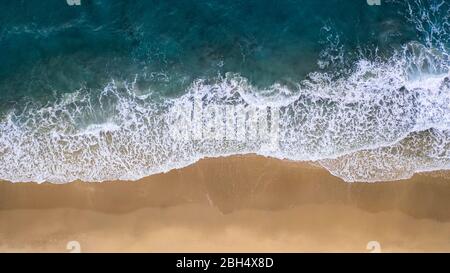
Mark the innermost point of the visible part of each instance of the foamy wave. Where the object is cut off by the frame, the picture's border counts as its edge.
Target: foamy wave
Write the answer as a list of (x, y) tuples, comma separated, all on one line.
[(380, 119), (379, 123)]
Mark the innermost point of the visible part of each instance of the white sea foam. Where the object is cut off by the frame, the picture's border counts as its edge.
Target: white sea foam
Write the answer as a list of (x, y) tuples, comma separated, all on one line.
[(384, 120), (376, 124)]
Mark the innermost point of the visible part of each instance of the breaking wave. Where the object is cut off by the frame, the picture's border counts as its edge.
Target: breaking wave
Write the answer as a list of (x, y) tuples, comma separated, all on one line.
[(379, 123), (378, 119)]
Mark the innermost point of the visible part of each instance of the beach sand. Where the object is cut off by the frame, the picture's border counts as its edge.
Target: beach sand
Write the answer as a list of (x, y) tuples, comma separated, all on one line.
[(237, 204)]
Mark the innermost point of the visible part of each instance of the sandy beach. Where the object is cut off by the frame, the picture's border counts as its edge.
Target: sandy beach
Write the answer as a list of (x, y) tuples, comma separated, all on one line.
[(238, 204), (240, 126)]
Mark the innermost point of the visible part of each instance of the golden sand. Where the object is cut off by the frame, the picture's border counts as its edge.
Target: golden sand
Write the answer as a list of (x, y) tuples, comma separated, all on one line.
[(238, 204)]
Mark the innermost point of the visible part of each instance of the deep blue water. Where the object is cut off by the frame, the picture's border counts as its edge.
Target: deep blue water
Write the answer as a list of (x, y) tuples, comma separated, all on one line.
[(95, 84), (52, 46)]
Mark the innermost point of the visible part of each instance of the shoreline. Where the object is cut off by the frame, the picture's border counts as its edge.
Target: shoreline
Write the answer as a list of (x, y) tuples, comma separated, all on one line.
[(237, 203)]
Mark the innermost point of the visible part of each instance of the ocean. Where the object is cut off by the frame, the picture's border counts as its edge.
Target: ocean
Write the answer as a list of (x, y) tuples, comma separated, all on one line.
[(97, 90)]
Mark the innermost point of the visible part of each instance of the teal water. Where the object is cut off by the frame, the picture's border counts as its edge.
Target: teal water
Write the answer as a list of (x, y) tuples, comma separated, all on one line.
[(104, 89)]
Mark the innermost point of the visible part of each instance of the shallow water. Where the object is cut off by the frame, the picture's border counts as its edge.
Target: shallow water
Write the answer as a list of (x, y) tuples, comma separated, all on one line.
[(120, 90)]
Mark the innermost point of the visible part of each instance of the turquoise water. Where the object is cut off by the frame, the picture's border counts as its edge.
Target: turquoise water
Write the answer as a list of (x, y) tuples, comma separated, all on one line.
[(124, 89)]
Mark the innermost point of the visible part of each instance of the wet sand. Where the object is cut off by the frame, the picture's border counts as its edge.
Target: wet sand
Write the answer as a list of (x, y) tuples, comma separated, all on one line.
[(236, 204)]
